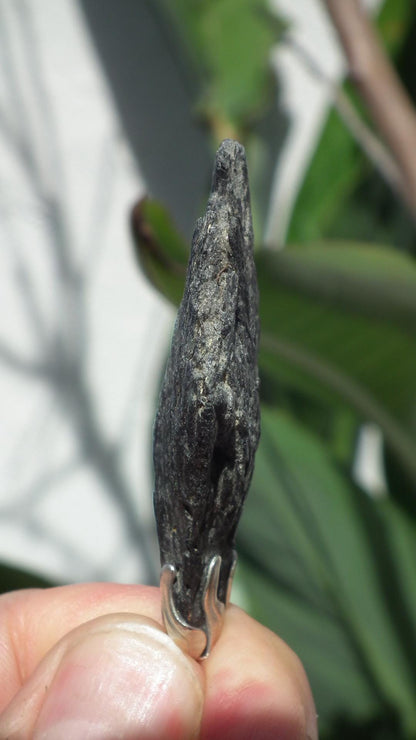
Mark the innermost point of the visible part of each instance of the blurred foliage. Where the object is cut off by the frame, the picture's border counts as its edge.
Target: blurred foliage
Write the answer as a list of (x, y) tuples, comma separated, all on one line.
[(326, 564), (342, 195), (228, 44), (12, 578), (224, 48)]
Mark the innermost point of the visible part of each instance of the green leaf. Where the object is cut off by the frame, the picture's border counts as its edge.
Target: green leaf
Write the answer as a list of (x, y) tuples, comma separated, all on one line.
[(339, 321), (229, 43), (336, 168), (394, 21), (161, 251), (316, 574)]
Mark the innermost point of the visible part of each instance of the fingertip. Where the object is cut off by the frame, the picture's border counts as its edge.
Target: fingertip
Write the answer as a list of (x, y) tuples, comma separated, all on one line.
[(117, 676), (256, 686), (32, 621)]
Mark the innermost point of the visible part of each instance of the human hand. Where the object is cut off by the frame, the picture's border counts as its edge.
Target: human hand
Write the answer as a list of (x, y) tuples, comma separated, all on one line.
[(92, 662)]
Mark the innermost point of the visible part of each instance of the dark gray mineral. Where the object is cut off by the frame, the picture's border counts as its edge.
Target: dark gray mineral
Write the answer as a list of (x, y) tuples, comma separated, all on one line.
[(207, 425)]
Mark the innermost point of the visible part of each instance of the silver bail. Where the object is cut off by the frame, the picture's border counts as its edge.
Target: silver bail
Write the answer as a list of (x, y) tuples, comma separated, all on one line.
[(196, 642)]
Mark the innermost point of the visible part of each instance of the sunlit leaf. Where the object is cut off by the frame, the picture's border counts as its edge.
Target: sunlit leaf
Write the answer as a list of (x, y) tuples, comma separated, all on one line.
[(341, 319), (160, 250)]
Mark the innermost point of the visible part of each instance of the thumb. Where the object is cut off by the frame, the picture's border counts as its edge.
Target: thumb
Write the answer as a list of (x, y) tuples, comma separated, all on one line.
[(117, 676)]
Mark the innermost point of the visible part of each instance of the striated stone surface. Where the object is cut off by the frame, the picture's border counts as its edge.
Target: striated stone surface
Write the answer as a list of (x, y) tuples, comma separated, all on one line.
[(208, 422)]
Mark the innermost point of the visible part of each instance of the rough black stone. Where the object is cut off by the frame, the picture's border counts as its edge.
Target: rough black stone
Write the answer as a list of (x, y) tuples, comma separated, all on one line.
[(208, 423)]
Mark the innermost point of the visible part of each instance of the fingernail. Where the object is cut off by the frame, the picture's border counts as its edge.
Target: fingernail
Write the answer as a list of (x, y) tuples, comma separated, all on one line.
[(126, 680)]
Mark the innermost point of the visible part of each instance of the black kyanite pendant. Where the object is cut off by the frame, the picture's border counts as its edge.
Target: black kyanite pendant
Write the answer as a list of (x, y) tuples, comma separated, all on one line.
[(208, 423)]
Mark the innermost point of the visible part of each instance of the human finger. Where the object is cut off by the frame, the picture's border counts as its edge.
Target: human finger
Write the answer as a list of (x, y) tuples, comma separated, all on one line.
[(115, 676), (256, 686), (32, 621)]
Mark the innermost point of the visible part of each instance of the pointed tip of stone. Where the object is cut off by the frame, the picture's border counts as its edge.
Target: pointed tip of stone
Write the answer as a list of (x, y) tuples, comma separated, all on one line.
[(230, 165), (231, 147)]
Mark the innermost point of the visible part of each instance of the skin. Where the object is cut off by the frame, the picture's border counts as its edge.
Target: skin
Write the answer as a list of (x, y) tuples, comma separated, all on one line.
[(92, 662)]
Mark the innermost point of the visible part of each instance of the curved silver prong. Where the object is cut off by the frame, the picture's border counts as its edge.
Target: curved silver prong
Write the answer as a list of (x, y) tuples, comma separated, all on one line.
[(190, 639), (212, 606)]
